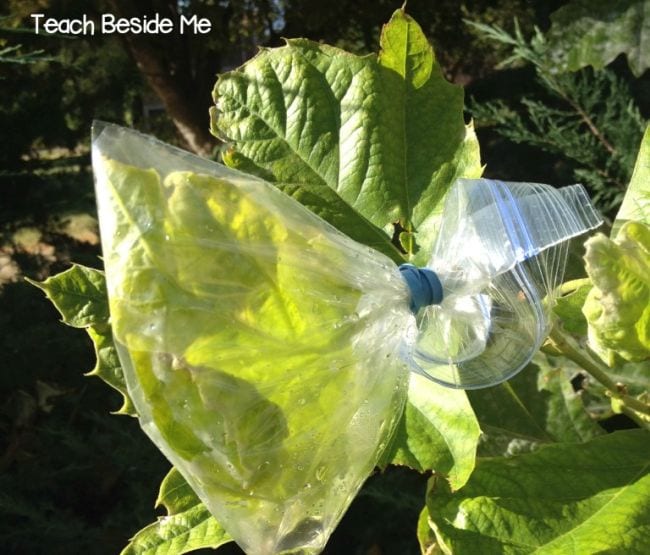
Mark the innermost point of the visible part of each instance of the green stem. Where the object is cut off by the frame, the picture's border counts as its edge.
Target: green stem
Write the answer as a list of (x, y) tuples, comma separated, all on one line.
[(598, 370), (569, 287), (641, 420)]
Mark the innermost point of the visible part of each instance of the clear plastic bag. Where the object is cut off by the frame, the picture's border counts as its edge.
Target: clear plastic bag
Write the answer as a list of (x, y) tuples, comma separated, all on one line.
[(261, 347), (268, 355), (500, 255)]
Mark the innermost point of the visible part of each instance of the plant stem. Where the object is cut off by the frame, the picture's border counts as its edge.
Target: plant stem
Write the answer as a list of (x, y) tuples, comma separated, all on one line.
[(584, 116), (591, 125), (569, 287), (597, 370), (641, 420)]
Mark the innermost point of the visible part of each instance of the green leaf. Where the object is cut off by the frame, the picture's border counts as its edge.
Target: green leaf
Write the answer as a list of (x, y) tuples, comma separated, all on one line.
[(636, 203), (568, 308), (563, 411), (79, 294), (325, 203), (188, 525), (108, 367), (175, 493), (536, 407), (635, 376), (594, 32), (426, 537), (438, 432), (617, 307), (384, 136), (564, 498)]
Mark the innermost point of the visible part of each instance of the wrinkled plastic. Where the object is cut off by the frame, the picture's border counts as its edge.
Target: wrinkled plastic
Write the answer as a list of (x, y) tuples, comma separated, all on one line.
[(500, 254), (268, 355), (261, 347)]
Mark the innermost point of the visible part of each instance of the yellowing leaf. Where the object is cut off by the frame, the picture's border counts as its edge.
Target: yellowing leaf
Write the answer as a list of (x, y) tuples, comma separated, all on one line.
[(618, 306)]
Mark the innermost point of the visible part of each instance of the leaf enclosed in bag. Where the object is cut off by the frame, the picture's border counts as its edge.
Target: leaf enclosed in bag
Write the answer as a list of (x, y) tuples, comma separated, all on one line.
[(565, 498), (385, 135), (260, 345)]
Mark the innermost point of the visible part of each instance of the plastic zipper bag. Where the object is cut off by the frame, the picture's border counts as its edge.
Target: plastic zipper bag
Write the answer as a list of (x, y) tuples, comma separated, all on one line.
[(500, 255), (268, 355)]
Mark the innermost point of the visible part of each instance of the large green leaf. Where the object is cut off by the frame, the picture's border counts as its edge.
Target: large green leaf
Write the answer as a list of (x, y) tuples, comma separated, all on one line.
[(594, 32), (636, 203), (438, 432), (187, 526), (564, 498), (384, 136), (536, 407), (617, 307), (80, 296)]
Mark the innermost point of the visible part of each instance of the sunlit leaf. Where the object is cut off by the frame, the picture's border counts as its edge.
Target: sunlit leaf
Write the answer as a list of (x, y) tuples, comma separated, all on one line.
[(438, 432), (568, 308), (187, 526), (385, 135), (636, 203), (79, 294), (618, 307), (564, 498)]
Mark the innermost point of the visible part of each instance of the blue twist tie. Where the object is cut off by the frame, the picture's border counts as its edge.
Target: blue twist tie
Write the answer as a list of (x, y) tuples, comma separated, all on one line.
[(424, 286)]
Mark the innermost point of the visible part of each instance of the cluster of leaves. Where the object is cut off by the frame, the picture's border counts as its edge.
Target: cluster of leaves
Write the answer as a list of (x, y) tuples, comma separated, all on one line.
[(588, 118), (542, 475)]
